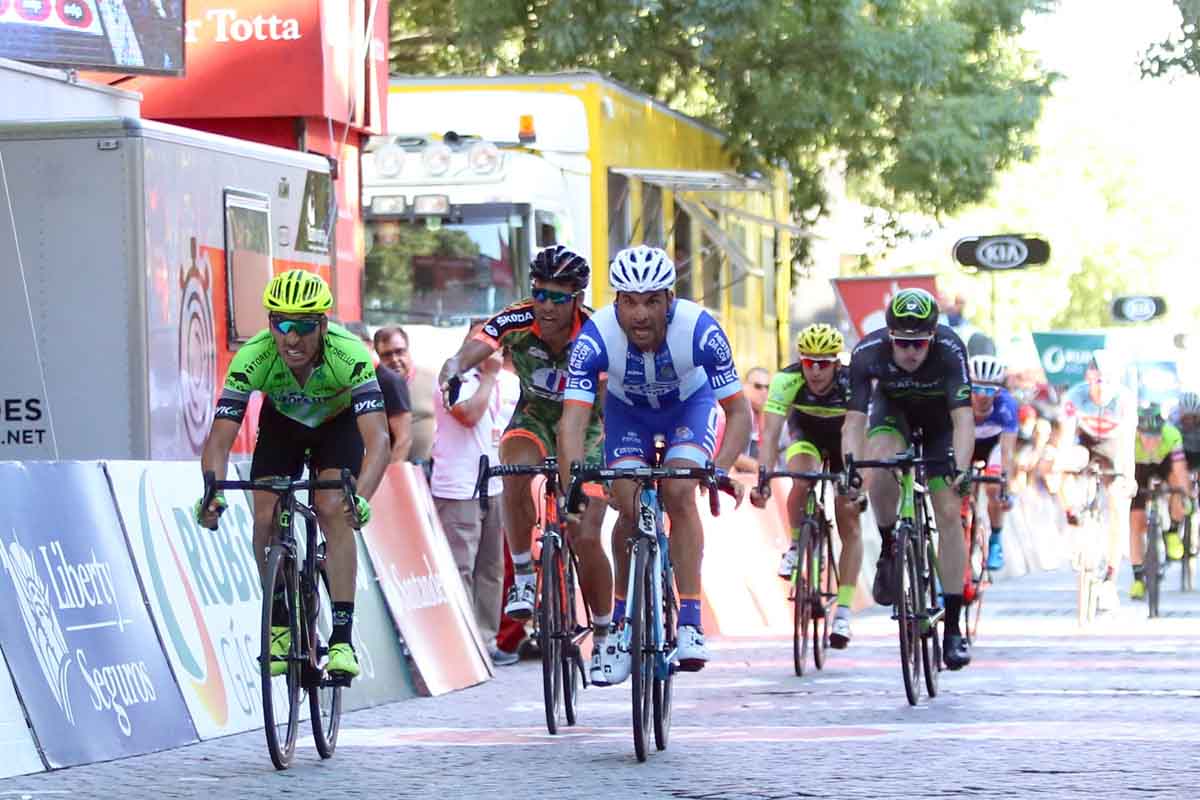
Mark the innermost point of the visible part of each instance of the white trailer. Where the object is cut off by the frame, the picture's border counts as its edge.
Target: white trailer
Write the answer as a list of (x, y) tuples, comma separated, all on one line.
[(133, 256)]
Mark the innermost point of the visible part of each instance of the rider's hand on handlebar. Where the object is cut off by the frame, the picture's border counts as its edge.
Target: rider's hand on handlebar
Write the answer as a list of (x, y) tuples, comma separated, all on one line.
[(730, 486), (759, 499), (962, 483), (208, 517), (360, 514)]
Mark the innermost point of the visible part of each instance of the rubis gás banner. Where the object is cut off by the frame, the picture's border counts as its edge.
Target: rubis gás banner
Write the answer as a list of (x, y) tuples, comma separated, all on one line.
[(864, 300), (77, 636), (1065, 354)]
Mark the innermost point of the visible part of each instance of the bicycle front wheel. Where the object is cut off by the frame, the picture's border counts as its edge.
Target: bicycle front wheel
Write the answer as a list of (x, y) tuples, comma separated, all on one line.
[(931, 640), (825, 597), (641, 662), (572, 662), (908, 618), (664, 685), (1150, 565), (802, 591), (1188, 563), (281, 720), (549, 627), (324, 699)]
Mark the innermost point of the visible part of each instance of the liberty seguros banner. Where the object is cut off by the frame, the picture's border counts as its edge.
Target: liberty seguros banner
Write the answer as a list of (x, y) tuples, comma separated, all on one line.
[(83, 651)]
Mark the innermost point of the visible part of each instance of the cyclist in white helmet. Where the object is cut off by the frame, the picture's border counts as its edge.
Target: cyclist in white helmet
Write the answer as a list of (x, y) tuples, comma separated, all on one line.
[(668, 364), (996, 429)]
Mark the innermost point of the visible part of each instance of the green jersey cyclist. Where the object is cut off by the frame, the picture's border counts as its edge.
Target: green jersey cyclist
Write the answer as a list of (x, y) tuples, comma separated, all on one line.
[(812, 396), (1158, 452), (321, 395)]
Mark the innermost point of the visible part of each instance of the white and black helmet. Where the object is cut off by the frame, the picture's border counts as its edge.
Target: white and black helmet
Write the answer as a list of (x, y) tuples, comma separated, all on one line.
[(988, 369), (1189, 403), (641, 269)]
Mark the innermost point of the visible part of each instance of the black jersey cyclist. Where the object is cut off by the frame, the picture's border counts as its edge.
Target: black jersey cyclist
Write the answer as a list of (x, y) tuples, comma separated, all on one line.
[(321, 395), (1186, 417), (913, 374), (812, 396)]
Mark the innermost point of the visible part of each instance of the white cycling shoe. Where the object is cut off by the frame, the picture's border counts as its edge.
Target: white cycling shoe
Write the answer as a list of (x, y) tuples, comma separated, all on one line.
[(839, 635), (521, 599), (610, 661), (692, 652), (787, 564)]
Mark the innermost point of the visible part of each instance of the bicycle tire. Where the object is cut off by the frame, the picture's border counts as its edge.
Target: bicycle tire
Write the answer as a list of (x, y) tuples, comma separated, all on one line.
[(549, 614), (639, 666), (976, 570), (281, 737), (802, 588), (1150, 563), (1187, 563), (664, 687), (908, 621), (324, 700), (826, 595), (931, 642), (571, 661)]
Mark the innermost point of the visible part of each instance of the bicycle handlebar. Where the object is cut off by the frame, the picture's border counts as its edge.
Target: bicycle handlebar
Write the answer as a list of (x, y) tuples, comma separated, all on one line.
[(765, 476), (590, 473), (548, 468), (904, 460), (279, 486)]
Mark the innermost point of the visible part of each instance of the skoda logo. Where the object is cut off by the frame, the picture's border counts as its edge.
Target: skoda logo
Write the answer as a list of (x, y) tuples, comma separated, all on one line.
[(1004, 252), (1139, 309)]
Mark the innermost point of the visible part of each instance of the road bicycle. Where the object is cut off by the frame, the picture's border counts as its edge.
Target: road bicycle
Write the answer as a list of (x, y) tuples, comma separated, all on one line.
[(978, 577), (815, 576), (560, 633), (648, 628), (917, 609), (1154, 562), (1090, 524), (298, 568)]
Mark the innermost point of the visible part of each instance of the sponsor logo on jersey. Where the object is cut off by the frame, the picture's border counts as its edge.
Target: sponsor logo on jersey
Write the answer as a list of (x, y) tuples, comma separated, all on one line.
[(240, 378), (550, 383), (684, 432), (538, 352), (359, 369), (372, 404), (491, 331), (584, 348), (963, 392), (512, 318), (623, 452), (713, 341)]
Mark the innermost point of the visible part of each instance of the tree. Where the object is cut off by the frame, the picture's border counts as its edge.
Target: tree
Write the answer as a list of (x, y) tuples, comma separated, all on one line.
[(920, 102), (1181, 51)]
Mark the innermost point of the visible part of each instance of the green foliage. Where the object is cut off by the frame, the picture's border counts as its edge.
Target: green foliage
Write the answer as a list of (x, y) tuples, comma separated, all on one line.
[(389, 285), (920, 102), (1179, 52)]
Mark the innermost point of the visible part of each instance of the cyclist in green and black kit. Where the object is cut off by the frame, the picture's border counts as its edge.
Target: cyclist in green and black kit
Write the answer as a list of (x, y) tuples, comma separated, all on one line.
[(321, 396), (812, 395), (538, 333)]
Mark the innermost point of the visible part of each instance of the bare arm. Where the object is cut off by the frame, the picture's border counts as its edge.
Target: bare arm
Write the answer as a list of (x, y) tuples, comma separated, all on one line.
[(215, 456), (400, 427), (571, 428), (854, 434), (738, 424), (963, 420), (373, 429), (768, 444), (472, 352)]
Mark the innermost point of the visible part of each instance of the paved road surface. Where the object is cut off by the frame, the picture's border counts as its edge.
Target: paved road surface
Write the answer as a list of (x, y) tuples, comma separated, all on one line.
[(1044, 711)]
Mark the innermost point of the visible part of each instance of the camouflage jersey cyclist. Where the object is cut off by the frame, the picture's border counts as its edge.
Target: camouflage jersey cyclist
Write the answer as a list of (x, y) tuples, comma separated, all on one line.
[(812, 396), (322, 396), (538, 333)]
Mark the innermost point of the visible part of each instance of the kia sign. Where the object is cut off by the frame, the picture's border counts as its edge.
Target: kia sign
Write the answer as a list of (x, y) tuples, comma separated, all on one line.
[(1138, 308), (1001, 253)]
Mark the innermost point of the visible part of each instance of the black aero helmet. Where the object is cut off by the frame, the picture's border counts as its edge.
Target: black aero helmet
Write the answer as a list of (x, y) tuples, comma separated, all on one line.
[(912, 311), (561, 265), (1150, 419)]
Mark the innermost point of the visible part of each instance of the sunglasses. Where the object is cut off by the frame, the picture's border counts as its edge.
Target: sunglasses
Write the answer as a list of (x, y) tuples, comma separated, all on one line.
[(985, 391), (761, 386), (817, 363), (915, 344), (558, 298), (301, 327)]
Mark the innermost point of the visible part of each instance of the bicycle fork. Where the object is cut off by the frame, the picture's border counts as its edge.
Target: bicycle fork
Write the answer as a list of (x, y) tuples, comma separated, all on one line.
[(649, 535)]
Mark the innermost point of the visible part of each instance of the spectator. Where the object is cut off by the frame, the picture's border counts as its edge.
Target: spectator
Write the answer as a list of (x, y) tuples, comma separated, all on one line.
[(755, 385), (392, 345), (464, 432)]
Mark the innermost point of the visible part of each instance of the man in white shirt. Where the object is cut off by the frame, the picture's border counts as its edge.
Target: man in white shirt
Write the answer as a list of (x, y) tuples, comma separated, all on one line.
[(469, 429)]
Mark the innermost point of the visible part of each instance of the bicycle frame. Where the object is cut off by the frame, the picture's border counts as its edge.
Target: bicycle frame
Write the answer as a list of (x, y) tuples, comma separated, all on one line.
[(652, 532)]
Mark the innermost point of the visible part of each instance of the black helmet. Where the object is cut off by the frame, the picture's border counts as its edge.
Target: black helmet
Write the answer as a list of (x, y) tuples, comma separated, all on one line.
[(561, 265), (912, 311), (1150, 418)]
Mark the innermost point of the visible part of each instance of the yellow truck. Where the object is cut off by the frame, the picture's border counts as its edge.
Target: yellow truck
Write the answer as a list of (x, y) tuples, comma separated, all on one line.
[(476, 174)]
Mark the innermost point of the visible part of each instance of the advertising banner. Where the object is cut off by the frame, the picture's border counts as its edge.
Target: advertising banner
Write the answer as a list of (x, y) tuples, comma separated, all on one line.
[(421, 584), (204, 590), (16, 740), (863, 300), (1064, 355), (81, 646)]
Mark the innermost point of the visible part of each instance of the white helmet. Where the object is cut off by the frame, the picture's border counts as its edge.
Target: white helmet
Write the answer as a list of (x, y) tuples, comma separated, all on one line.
[(1189, 403), (641, 269), (987, 369)]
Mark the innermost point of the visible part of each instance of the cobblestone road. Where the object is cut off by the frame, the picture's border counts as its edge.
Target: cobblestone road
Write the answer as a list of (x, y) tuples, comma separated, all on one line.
[(1044, 710)]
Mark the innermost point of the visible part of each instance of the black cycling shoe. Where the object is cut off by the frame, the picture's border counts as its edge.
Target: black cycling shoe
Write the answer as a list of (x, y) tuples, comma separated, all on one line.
[(956, 652), (883, 589)]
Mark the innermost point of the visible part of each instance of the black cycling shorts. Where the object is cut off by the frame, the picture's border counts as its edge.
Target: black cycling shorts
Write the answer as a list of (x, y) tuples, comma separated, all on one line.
[(984, 447), (1193, 459), (1143, 473), (1103, 451), (282, 442), (933, 419), (823, 437)]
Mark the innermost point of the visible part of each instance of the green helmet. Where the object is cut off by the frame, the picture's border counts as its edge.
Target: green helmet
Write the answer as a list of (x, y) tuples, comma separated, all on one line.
[(912, 311), (1150, 418)]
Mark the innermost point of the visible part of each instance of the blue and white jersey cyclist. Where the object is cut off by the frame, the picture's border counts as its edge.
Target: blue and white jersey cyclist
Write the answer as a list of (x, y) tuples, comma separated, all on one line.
[(668, 364), (996, 429)]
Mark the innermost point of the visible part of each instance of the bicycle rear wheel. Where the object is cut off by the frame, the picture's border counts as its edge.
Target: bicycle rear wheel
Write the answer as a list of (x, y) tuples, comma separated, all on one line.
[(324, 699), (549, 628), (641, 663), (663, 686), (908, 609), (281, 723), (572, 663), (802, 590), (825, 572)]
